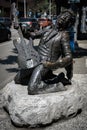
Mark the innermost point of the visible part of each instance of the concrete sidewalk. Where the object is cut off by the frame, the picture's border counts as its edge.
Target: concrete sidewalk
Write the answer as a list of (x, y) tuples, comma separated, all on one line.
[(82, 41), (80, 58)]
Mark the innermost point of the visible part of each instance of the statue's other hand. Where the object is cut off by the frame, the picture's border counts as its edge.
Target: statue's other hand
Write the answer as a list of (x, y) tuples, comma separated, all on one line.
[(45, 63), (32, 35), (48, 64), (51, 65)]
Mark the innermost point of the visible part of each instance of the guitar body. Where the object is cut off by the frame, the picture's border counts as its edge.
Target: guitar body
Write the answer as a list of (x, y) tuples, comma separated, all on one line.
[(28, 57)]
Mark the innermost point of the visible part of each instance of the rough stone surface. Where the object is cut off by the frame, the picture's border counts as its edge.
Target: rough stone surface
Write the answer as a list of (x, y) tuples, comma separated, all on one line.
[(33, 110)]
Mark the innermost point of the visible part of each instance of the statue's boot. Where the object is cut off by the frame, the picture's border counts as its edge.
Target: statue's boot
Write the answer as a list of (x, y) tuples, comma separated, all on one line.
[(44, 88), (58, 78)]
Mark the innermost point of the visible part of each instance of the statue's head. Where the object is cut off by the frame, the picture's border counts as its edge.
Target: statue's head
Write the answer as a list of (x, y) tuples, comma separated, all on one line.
[(66, 19)]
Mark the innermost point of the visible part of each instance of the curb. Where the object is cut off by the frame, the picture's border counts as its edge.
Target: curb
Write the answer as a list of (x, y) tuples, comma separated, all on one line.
[(2, 84)]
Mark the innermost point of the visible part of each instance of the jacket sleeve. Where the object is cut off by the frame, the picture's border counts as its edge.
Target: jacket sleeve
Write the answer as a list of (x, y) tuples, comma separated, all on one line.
[(66, 58), (36, 34)]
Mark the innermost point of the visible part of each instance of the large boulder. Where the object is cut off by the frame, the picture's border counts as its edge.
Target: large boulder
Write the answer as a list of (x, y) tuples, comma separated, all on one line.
[(42, 109)]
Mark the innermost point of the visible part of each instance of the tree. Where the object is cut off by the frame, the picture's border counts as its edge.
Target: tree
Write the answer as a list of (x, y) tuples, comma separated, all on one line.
[(12, 1), (83, 2), (60, 3)]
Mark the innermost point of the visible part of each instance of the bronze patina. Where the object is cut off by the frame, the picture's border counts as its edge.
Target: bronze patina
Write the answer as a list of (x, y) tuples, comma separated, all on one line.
[(36, 66)]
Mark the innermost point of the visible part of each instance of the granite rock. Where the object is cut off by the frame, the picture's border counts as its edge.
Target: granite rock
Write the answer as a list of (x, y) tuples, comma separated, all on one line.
[(42, 109)]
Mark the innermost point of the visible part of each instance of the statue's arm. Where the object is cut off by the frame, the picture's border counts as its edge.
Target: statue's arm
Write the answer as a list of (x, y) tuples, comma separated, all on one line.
[(36, 34), (66, 58)]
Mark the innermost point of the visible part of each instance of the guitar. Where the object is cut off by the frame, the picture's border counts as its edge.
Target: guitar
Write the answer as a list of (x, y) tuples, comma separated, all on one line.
[(28, 57)]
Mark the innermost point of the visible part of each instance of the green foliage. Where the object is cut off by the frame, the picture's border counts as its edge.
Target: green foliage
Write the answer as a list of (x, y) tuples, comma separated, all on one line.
[(43, 5)]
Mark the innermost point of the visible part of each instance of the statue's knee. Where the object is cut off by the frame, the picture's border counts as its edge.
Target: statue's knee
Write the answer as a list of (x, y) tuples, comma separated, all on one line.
[(31, 89)]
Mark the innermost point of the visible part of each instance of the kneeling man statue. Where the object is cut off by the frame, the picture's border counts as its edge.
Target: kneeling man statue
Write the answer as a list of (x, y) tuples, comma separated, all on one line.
[(53, 52)]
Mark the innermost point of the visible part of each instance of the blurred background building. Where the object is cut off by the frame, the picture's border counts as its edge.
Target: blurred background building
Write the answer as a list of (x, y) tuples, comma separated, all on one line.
[(36, 8)]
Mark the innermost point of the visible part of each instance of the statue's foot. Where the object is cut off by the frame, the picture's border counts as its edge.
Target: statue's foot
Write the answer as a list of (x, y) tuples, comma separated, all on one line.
[(63, 80), (48, 88), (58, 78), (55, 88), (66, 81), (60, 87)]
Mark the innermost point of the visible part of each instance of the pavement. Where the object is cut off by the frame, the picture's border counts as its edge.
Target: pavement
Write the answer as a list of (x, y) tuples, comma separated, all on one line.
[(80, 58), (80, 67)]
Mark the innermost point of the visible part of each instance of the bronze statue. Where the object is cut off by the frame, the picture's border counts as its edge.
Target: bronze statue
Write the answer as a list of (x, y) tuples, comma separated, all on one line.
[(36, 66)]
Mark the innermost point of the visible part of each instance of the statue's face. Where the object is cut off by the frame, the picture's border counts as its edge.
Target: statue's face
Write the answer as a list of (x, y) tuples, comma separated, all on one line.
[(65, 20)]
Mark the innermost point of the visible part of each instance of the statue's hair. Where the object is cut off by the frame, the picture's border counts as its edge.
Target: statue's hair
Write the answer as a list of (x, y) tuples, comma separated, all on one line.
[(66, 19)]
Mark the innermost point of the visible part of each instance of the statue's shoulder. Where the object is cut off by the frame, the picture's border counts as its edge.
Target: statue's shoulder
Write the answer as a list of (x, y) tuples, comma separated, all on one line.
[(47, 31), (50, 33), (64, 32)]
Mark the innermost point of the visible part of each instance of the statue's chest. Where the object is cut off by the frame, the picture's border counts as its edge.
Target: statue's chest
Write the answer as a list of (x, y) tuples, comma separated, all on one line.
[(50, 49), (54, 44)]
